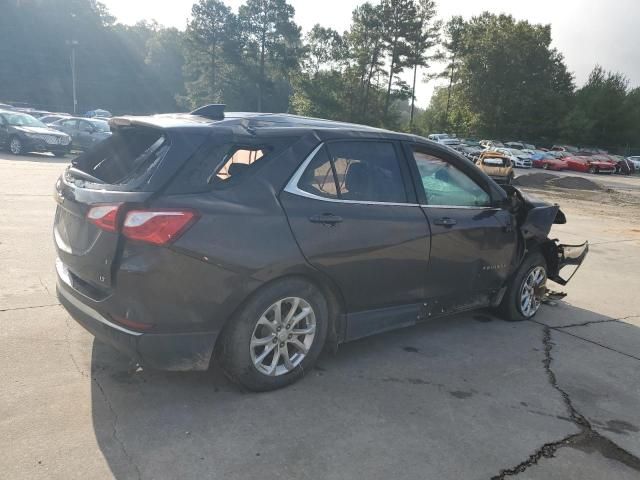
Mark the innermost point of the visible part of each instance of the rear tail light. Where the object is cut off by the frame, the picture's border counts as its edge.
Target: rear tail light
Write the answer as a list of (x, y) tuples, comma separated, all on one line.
[(158, 227), (104, 217)]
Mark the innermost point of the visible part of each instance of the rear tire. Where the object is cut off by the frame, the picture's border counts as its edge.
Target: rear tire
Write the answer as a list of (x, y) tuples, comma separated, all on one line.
[(593, 170), (262, 348), (529, 281), (60, 154)]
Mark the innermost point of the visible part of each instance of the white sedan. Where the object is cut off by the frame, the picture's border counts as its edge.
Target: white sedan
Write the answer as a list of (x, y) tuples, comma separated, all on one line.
[(636, 161), (518, 157)]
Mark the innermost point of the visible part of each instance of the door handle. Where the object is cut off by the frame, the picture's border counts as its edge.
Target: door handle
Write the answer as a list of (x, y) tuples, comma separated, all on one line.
[(326, 219), (445, 222)]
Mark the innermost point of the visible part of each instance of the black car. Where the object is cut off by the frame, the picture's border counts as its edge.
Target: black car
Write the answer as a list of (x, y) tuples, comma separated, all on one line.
[(22, 133), (84, 132), (259, 238)]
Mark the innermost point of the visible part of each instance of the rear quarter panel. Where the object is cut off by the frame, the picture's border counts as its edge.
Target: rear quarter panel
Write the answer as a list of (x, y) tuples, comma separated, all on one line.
[(241, 241)]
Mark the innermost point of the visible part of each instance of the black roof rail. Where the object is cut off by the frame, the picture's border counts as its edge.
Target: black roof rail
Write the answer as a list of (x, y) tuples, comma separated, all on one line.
[(214, 111)]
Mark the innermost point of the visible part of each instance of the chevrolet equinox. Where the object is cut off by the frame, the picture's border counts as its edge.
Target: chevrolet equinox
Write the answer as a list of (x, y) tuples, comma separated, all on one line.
[(256, 239)]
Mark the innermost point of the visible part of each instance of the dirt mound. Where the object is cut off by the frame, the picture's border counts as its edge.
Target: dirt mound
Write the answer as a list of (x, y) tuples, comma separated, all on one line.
[(545, 180), (576, 183), (538, 179)]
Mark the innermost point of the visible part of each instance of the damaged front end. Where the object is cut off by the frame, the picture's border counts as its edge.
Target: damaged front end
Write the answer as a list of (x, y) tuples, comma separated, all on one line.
[(535, 219)]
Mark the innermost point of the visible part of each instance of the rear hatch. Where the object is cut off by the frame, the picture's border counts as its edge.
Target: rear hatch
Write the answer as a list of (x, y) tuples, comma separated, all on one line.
[(128, 169)]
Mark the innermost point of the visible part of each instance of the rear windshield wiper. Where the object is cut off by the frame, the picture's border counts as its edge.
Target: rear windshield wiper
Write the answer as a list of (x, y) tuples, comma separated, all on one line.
[(76, 172)]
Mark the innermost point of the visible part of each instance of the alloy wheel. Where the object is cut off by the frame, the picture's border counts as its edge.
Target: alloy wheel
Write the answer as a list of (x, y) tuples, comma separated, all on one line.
[(532, 291), (283, 336), (15, 146)]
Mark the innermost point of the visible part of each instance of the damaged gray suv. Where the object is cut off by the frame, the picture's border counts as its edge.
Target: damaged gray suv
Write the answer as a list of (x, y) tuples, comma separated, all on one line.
[(257, 239)]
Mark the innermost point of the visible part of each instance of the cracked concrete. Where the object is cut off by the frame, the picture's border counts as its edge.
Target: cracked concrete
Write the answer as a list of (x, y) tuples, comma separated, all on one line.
[(467, 397), (587, 439)]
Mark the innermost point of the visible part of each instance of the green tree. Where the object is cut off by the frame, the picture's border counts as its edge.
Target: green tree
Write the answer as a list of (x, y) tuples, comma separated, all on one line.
[(399, 21), (366, 49), (513, 82), (205, 40), (601, 114), (270, 43), (165, 58), (421, 40)]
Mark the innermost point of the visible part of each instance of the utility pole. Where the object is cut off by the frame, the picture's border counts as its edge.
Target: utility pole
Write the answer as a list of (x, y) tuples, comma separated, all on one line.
[(73, 44)]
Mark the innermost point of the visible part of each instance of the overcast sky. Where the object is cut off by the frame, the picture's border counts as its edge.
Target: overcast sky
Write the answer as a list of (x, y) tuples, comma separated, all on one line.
[(585, 31)]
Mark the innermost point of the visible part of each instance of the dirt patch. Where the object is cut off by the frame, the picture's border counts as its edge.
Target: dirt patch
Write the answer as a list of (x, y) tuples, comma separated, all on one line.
[(534, 180), (546, 180), (575, 183)]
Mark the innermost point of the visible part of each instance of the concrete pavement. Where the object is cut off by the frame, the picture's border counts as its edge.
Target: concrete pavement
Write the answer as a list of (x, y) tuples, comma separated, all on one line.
[(466, 397)]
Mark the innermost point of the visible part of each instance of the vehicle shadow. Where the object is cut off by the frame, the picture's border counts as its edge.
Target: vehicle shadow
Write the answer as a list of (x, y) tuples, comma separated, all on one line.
[(38, 157), (371, 410)]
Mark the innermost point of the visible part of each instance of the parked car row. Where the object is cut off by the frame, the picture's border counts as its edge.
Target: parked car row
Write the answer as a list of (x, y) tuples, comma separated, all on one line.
[(557, 158), (27, 130)]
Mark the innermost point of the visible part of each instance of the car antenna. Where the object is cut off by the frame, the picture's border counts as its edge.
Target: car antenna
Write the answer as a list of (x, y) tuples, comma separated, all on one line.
[(214, 111)]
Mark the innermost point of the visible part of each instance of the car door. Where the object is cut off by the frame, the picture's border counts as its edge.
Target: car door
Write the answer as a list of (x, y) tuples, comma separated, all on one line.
[(69, 127), (353, 212), (85, 134), (473, 242)]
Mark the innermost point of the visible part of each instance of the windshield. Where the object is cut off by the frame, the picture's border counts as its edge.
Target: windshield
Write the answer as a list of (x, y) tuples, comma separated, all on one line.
[(22, 120), (496, 162), (100, 125)]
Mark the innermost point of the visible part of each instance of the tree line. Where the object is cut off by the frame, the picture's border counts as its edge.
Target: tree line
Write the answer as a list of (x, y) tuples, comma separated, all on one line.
[(500, 77)]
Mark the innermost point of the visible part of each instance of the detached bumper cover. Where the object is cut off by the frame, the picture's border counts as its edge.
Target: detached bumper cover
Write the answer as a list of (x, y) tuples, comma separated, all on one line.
[(570, 257), (177, 352)]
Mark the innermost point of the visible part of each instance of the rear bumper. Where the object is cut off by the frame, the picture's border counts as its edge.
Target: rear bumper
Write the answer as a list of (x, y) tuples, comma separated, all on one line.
[(163, 351), (501, 179)]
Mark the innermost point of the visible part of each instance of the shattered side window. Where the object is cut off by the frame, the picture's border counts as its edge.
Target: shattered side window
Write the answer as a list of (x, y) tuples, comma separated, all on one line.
[(237, 161), (445, 185)]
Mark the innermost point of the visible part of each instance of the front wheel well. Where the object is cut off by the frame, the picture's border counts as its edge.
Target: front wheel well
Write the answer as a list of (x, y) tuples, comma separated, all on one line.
[(549, 250)]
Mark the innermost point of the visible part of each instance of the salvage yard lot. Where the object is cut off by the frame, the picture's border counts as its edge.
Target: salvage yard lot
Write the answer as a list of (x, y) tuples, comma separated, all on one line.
[(465, 397)]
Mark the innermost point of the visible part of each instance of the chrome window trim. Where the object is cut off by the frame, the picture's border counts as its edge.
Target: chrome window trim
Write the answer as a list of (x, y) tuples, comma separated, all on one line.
[(292, 187), (465, 207)]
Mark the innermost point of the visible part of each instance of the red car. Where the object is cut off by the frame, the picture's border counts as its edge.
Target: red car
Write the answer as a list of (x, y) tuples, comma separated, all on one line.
[(589, 164), (548, 161)]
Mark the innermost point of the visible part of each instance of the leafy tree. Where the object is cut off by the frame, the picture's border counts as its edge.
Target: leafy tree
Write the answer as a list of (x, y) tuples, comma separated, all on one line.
[(399, 21), (601, 112), (270, 42), (508, 76), (366, 50), (165, 58), (323, 49), (422, 38), (205, 41)]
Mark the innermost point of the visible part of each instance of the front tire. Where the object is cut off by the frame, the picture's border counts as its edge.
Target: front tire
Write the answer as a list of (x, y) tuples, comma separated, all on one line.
[(276, 335), (526, 290), (15, 146)]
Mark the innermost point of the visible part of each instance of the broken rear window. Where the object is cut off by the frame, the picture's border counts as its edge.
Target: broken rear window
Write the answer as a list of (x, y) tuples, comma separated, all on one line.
[(127, 157)]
